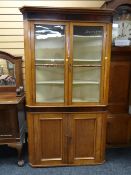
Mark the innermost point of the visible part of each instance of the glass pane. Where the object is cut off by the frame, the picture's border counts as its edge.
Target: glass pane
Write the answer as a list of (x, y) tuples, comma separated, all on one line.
[(86, 92), (86, 74), (87, 62), (87, 44), (7, 73), (86, 84), (50, 43), (49, 74), (49, 56), (54, 92)]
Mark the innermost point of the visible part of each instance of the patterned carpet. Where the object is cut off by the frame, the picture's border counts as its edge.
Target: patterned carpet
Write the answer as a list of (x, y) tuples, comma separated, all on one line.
[(118, 162)]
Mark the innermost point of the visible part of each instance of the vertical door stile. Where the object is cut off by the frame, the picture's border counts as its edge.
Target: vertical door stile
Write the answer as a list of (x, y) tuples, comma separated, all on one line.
[(67, 58), (32, 63), (107, 60), (65, 155), (70, 64), (103, 69), (71, 135)]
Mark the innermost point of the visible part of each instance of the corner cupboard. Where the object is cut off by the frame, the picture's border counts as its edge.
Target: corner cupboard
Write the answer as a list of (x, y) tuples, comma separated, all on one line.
[(67, 56)]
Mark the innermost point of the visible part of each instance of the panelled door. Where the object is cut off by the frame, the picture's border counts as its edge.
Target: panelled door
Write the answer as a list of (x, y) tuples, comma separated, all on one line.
[(68, 138), (50, 139), (87, 138)]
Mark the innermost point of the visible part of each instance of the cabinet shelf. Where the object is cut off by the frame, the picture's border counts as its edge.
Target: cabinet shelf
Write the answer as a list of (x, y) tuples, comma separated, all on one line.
[(47, 59), (57, 59), (86, 82), (49, 82), (87, 60), (50, 65), (84, 100), (62, 82), (88, 36)]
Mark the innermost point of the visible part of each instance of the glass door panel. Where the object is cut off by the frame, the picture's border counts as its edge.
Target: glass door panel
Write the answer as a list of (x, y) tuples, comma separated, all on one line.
[(83, 74), (87, 44), (87, 62), (86, 92), (86, 84), (49, 62)]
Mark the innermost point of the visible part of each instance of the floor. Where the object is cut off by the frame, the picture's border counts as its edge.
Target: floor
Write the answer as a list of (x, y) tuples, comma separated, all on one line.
[(118, 162)]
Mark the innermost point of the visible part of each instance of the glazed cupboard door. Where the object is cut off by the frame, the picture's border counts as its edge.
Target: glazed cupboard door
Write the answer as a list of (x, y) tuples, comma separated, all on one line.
[(87, 63), (50, 52), (70, 63), (49, 139), (88, 138)]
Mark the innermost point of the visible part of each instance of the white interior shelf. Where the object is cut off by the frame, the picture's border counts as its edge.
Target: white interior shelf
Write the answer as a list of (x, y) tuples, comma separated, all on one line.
[(88, 36), (85, 100), (47, 59), (87, 60), (80, 60), (49, 82), (86, 82)]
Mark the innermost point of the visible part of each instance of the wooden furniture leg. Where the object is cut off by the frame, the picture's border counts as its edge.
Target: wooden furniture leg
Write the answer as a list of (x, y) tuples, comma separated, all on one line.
[(19, 147)]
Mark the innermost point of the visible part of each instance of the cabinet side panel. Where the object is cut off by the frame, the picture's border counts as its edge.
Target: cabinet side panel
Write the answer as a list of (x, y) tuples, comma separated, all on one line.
[(28, 62), (31, 138)]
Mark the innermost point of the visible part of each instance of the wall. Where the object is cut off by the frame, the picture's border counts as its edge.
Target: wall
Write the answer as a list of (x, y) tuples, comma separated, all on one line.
[(11, 21)]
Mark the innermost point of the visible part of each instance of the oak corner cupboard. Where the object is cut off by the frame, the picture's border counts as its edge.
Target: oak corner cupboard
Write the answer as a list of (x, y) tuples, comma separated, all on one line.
[(67, 53)]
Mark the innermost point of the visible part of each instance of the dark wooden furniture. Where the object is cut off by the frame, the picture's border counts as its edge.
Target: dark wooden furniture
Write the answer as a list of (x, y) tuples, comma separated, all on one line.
[(67, 56), (12, 113), (119, 119)]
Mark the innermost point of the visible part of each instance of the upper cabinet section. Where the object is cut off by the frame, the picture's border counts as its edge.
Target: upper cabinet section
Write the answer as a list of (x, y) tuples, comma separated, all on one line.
[(67, 55)]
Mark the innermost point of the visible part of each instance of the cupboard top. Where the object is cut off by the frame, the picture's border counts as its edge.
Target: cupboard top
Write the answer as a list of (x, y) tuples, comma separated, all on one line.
[(50, 13)]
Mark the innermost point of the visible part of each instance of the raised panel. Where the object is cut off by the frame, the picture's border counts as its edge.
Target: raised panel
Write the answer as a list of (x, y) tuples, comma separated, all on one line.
[(50, 138), (85, 131)]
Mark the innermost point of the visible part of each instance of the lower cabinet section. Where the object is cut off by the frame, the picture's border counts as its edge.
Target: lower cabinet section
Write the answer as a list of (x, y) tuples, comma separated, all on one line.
[(118, 130), (66, 138)]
